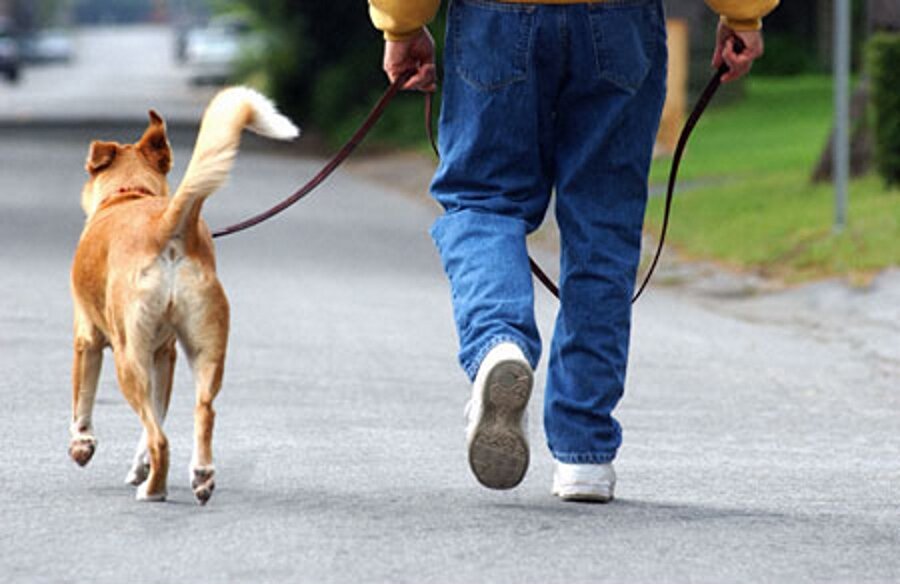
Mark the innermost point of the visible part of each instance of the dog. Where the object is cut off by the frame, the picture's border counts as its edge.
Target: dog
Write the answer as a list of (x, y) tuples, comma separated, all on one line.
[(144, 277)]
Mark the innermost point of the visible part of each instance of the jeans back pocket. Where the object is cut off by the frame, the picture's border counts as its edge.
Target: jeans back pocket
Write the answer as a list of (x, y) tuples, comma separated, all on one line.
[(491, 42), (627, 36)]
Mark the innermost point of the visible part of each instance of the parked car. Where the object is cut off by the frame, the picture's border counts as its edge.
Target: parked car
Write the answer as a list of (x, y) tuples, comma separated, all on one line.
[(48, 46), (213, 52), (10, 58)]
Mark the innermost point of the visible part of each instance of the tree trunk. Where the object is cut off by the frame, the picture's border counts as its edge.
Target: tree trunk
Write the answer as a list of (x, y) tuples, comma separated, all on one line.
[(861, 142), (883, 15)]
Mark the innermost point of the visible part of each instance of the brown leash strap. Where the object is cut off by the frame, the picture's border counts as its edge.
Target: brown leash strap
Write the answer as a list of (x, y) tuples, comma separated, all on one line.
[(702, 103), (332, 165)]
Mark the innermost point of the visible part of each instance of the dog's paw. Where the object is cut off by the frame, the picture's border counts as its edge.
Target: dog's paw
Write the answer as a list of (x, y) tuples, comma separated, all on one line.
[(138, 473), (203, 483), (82, 448), (143, 495)]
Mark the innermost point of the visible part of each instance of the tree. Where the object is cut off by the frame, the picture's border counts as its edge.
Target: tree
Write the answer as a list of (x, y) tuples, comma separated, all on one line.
[(327, 49), (882, 16), (118, 11)]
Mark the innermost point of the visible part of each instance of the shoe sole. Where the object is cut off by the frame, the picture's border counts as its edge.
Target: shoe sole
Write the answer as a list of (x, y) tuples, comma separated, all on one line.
[(498, 450), (584, 497)]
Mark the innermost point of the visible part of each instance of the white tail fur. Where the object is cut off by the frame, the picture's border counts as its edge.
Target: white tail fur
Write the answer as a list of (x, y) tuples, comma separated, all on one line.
[(230, 111)]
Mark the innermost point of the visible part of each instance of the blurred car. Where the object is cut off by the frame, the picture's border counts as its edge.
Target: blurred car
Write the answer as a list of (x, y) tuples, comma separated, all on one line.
[(10, 57), (213, 52), (48, 46)]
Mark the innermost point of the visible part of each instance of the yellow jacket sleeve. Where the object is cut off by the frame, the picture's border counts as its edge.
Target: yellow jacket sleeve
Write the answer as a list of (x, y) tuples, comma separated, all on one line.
[(402, 19), (743, 15)]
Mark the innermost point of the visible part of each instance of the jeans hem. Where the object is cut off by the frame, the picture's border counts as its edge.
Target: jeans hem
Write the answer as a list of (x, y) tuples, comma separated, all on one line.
[(584, 458), (473, 366)]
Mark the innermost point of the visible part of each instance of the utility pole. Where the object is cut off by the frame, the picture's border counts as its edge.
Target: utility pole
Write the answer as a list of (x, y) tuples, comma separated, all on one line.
[(841, 111)]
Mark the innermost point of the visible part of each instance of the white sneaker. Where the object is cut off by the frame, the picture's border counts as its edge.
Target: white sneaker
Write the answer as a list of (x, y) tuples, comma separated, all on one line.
[(584, 482), (496, 435)]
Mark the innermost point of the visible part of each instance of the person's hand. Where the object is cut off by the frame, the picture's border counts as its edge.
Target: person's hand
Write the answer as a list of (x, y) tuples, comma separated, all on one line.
[(415, 54), (738, 64)]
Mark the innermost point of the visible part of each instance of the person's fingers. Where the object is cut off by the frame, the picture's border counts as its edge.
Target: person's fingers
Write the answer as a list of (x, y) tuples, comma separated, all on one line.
[(423, 47), (721, 35), (717, 59), (414, 84), (397, 59), (416, 54), (417, 80), (390, 66), (729, 56), (393, 72), (734, 74), (423, 80), (422, 51), (739, 64), (736, 71)]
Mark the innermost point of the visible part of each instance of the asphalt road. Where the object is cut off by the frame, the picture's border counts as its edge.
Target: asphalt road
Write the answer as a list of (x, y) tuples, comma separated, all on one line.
[(762, 433), (112, 75)]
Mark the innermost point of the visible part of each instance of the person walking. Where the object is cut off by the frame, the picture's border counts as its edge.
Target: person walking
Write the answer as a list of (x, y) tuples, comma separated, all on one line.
[(541, 97)]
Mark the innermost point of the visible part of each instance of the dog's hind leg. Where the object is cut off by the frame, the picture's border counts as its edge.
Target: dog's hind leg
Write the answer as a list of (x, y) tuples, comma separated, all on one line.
[(135, 380), (161, 394), (140, 466), (205, 341), (89, 343)]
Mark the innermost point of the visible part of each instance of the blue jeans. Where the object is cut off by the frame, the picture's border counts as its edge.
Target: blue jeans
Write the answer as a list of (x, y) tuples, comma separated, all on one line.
[(539, 99)]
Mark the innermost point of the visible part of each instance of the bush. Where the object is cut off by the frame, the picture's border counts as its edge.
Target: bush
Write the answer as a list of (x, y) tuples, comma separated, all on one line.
[(308, 43), (883, 55), (323, 65), (787, 54)]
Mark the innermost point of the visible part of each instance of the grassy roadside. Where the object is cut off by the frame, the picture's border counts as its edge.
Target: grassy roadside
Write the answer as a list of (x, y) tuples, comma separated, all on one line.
[(747, 201)]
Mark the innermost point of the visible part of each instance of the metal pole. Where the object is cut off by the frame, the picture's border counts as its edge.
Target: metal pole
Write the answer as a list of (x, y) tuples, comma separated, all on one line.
[(841, 111)]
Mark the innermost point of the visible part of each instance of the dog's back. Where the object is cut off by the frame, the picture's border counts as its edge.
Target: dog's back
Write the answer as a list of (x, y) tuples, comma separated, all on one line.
[(124, 261)]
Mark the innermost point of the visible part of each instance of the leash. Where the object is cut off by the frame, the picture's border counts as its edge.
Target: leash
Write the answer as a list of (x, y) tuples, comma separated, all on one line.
[(378, 110), (702, 103), (329, 168)]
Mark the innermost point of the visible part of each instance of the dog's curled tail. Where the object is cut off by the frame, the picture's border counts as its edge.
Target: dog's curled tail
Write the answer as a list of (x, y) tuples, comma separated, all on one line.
[(230, 111)]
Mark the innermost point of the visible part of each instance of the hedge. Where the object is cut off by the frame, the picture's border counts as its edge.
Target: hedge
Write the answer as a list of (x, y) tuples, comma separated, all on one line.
[(883, 56)]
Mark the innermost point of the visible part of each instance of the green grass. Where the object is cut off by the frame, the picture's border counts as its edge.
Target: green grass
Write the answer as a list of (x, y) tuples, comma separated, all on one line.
[(781, 124), (747, 202)]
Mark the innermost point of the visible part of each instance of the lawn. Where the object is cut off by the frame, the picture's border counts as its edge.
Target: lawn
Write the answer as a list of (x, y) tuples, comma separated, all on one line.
[(746, 200)]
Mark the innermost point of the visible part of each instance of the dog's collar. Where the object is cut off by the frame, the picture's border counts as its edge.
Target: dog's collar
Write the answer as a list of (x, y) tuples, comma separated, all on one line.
[(124, 194), (134, 190)]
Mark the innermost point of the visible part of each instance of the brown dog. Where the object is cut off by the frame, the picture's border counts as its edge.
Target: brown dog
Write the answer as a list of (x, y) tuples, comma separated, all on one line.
[(144, 276)]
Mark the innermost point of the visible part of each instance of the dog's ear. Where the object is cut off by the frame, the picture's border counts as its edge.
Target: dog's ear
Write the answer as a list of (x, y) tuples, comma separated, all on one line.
[(154, 144), (101, 155)]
